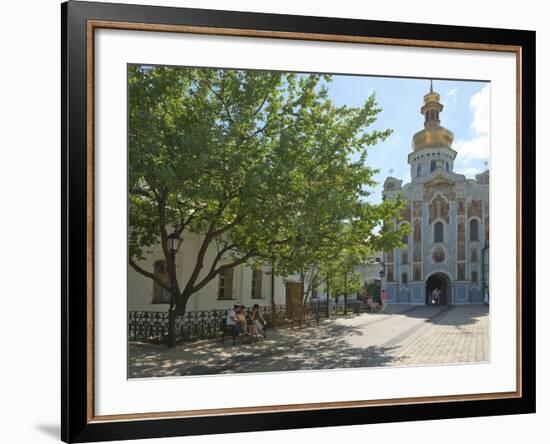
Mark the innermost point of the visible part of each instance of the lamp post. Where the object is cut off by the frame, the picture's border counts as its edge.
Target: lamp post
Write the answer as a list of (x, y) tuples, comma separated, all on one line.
[(346, 293), (328, 294), (172, 244), (382, 277)]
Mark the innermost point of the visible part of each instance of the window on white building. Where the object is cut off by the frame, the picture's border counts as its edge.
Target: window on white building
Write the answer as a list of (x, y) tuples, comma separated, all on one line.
[(160, 295), (256, 291), (225, 284)]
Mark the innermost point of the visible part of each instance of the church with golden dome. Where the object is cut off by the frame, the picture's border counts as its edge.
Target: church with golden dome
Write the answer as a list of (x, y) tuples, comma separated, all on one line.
[(448, 216)]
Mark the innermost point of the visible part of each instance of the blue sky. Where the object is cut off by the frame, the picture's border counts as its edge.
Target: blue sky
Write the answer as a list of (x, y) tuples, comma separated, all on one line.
[(466, 113)]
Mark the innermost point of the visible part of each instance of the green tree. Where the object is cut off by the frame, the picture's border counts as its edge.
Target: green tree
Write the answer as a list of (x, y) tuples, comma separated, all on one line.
[(263, 165), (344, 279), (348, 245), (372, 289)]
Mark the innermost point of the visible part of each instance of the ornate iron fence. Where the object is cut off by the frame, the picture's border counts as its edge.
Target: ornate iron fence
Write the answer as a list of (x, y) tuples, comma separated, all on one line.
[(146, 326), (152, 327)]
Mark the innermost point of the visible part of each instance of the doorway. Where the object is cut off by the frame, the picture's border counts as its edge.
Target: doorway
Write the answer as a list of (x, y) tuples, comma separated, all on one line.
[(442, 282)]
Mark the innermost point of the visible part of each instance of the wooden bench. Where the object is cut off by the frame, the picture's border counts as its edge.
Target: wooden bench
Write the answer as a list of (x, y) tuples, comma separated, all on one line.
[(303, 316), (227, 331)]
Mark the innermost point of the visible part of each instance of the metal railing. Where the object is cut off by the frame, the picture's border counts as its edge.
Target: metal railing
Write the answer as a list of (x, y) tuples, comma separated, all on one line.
[(152, 327)]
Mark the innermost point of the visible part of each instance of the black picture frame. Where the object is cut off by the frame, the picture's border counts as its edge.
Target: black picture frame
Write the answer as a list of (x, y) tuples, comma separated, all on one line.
[(76, 423)]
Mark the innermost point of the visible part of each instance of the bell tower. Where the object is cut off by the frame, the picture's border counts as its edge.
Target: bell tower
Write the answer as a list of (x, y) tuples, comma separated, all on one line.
[(431, 146)]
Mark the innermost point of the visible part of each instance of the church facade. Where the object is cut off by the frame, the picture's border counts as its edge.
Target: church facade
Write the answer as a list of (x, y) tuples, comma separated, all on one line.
[(448, 216)]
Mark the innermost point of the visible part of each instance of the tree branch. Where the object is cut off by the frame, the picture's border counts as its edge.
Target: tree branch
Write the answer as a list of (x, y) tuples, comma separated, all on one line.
[(224, 104), (152, 276), (212, 274)]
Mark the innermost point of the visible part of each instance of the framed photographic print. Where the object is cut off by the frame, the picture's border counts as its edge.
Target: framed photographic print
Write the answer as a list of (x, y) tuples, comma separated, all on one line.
[(275, 221)]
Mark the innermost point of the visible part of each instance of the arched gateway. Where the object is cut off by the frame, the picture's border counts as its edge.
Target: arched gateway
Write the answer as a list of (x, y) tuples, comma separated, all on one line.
[(441, 281)]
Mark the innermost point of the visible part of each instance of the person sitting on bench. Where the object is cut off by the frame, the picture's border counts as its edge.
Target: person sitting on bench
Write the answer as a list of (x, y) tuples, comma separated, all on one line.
[(257, 320), (240, 318), (231, 321)]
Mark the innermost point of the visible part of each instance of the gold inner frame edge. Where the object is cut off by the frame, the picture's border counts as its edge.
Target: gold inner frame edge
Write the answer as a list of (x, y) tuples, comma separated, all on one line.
[(105, 24)]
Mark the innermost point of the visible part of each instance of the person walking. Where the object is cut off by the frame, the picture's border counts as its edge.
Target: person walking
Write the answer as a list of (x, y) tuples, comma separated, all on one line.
[(435, 295), (384, 300)]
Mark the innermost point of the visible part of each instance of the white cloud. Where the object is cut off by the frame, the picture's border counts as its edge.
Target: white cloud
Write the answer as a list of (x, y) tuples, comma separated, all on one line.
[(480, 103), (471, 172), (478, 147), (451, 94)]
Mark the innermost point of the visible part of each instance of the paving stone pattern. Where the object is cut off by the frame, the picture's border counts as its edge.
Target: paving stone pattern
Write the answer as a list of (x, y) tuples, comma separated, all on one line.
[(405, 336)]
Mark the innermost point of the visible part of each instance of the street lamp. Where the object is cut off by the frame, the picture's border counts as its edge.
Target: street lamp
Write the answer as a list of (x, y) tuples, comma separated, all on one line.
[(172, 244), (346, 293), (382, 270), (172, 241), (382, 278), (328, 294)]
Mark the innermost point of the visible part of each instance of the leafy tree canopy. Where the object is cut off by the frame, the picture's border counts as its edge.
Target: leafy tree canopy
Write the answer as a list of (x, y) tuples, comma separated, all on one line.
[(263, 165)]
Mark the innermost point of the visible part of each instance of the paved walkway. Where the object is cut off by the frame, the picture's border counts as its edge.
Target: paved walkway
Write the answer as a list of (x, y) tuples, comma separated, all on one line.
[(405, 336)]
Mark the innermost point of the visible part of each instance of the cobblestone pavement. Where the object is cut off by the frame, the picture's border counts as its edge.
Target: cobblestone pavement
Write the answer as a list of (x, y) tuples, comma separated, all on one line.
[(406, 335), (450, 341)]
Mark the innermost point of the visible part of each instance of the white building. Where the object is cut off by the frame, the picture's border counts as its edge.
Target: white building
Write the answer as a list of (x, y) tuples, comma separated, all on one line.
[(239, 285)]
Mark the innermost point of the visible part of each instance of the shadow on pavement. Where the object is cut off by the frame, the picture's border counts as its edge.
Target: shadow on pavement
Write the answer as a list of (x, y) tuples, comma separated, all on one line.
[(440, 314), (324, 347)]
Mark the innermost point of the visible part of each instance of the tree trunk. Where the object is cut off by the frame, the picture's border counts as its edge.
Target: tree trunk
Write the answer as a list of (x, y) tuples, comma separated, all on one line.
[(181, 304)]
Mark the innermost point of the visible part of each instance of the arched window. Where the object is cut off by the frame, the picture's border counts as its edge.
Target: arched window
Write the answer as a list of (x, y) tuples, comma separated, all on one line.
[(438, 232), (225, 284), (447, 166), (404, 278), (474, 230), (432, 166), (418, 170), (256, 292), (405, 249), (160, 295)]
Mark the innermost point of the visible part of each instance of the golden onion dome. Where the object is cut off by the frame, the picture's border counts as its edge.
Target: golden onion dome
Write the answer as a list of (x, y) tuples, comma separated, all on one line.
[(433, 135)]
